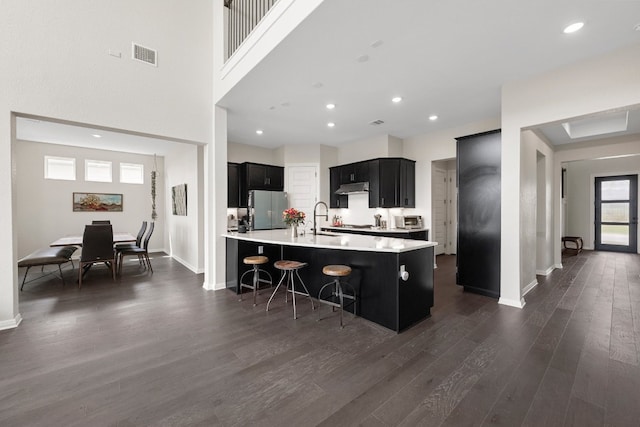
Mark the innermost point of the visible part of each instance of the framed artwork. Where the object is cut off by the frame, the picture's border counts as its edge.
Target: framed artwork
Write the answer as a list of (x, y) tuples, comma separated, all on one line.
[(179, 199), (97, 202)]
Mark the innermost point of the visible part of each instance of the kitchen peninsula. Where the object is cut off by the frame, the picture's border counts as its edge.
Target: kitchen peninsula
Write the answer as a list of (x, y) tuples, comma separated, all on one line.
[(386, 296)]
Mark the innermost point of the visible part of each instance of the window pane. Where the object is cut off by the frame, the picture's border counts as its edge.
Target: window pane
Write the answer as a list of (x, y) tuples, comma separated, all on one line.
[(615, 190), (60, 168), (97, 170), (614, 235), (131, 173), (615, 212)]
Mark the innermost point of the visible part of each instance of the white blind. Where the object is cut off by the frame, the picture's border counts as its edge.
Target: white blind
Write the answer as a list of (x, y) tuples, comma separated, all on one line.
[(59, 168), (97, 170), (131, 173)]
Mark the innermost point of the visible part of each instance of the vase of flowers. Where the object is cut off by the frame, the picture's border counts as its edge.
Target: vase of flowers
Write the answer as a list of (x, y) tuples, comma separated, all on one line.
[(293, 217)]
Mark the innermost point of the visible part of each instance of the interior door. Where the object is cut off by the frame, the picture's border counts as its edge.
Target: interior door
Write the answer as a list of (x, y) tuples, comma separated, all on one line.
[(616, 213)]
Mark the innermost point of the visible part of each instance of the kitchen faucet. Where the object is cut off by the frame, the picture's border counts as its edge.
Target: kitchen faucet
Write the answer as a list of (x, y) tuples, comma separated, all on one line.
[(326, 215)]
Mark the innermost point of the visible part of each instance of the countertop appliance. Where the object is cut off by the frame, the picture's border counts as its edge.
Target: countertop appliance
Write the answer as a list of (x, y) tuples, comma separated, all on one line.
[(265, 209), (408, 221)]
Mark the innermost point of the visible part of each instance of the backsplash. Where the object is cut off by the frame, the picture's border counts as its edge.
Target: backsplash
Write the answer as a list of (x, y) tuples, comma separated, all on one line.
[(360, 213)]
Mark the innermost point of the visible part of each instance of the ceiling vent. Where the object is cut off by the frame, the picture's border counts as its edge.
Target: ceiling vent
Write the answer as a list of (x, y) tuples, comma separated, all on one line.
[(376, 122), (145, 54)]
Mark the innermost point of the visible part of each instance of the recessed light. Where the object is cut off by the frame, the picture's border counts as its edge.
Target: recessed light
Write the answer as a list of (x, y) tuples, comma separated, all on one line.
[(362, 58), (433, 117), (331, 124), (259, 131), (331, 106), (317, 85), (396, 99), (95, 135), (573, 27), (377, 43)]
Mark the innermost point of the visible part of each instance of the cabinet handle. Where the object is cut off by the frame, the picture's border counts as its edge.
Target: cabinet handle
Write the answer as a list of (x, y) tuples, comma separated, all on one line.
[(353, 177), (382, 201)]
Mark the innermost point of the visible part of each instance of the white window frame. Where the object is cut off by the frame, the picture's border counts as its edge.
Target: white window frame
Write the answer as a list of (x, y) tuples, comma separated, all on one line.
[(138, 166), (47, 171), (87, 165)]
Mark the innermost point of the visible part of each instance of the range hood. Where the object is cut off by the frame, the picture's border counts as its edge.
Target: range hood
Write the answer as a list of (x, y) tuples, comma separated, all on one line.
[(353, 188)]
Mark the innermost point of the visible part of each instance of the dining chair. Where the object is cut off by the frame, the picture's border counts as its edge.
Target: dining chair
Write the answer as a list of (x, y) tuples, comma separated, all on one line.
[(141, 251), (100, 221), (119, 247), (97, 247)]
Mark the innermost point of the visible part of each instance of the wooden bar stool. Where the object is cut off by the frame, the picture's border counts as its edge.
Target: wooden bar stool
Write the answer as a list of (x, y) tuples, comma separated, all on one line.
[(289, 268), (334, 293), (256, 262)]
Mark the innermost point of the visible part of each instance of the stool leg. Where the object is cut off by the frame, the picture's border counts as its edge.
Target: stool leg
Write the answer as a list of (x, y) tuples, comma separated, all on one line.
[(274, 291), (293, 295), (255, 283), (306, 290)]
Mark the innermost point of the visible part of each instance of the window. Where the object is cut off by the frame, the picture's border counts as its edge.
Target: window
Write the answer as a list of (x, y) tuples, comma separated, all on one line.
[(60, 168), (131, 173), (97, 170)]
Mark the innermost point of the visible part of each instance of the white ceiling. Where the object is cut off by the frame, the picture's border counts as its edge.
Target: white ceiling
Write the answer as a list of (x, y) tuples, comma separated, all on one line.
[(42, 130), (448, 58)]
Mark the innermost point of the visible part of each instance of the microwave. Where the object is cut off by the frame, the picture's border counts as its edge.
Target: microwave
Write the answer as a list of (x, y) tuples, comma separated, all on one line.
[(408, 221)]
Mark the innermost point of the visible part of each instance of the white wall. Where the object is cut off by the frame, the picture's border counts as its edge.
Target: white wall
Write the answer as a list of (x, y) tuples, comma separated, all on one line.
[(183, 231), (580, 191), (588, 87), (55, 64), (44, 206)]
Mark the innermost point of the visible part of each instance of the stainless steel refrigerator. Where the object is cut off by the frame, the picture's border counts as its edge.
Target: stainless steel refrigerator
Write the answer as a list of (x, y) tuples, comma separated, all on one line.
[(265, 209)]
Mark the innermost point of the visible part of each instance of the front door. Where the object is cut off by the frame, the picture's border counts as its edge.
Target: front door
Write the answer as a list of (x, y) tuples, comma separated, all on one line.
[(616, 216)]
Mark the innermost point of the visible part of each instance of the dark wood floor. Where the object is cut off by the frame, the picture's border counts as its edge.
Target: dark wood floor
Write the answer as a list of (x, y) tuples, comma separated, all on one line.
[(159, 350)]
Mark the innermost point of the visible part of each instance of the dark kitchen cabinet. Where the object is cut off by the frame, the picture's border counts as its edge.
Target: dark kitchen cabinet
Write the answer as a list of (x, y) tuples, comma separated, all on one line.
[(335, 200), (264, 177), (479, 182), (233, 185), (256, 176), (392, 183), (354, 172)]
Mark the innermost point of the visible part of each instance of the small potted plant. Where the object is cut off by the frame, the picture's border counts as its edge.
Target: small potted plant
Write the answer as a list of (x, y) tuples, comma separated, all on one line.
[(293, 217)]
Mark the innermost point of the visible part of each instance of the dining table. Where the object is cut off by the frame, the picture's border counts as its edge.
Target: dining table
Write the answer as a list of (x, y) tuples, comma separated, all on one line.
[(118, 237)]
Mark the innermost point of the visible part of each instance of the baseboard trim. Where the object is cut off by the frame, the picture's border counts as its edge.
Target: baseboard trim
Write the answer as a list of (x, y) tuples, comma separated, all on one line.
[(188, 265), (546, 272), (214, 286), (560, 266), (529, 287), (12, 323), (511, 302)]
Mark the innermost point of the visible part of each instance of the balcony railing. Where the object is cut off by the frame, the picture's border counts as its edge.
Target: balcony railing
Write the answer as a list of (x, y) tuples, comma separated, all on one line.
[(242, 18)]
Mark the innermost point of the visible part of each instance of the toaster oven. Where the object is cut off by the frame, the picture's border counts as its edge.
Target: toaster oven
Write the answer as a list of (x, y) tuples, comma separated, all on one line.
[(408, 221)]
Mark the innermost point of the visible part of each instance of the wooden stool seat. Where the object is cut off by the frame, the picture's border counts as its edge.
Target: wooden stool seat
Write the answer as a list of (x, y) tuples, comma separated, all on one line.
[(289, 265), (257, 259), (336, 270)]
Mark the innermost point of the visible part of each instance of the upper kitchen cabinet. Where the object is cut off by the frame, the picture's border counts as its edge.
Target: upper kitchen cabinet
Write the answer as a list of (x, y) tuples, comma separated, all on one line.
[(233, 185), (392, 183), (354, 172), (335, 200), (256, 176), (264, 177)]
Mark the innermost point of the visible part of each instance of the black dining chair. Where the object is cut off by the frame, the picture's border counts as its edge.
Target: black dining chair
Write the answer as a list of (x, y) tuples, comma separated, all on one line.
[(138, 243), (100, 221), (141, 251), (97, 247)]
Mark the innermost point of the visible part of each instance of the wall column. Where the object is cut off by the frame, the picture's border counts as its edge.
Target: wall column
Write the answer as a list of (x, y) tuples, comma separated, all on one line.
[(9, 314), (215, 208)]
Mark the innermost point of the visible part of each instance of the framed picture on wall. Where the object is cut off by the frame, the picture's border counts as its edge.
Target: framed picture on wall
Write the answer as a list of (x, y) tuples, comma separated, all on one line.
[(97, 202), (179, 199)]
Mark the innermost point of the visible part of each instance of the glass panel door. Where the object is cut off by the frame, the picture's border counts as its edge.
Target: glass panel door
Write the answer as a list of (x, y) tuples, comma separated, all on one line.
[(616, 216)]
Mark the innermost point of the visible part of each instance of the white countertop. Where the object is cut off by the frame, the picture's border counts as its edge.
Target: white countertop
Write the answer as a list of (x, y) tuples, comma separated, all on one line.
[(375, 230), (352, 242)]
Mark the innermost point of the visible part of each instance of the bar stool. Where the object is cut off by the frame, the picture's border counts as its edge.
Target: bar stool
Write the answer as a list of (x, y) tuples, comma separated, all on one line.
[(337, 296), (256, 262), (289, 268)]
